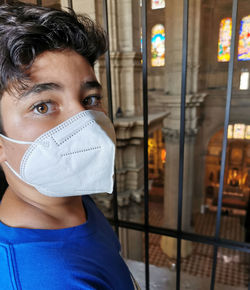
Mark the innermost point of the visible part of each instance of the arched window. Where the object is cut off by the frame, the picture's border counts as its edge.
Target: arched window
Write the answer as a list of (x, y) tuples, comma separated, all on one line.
[(224, 42), (244, 39), (158, 45), (157, 4)]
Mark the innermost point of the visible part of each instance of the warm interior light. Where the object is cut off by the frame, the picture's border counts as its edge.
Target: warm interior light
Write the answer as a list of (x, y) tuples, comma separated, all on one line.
[(239, 131), (230, 131), (247, 133), (163, 155)]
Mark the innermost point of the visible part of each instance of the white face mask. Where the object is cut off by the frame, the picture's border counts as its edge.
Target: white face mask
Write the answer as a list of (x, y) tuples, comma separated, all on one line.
[(74, 158)]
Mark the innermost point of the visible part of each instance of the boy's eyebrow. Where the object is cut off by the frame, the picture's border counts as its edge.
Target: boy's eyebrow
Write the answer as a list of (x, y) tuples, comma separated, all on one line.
[(38, 88), (91, 85)]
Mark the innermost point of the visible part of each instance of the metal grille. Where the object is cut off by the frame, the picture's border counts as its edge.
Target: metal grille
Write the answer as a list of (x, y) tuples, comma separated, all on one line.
[(179, 234)]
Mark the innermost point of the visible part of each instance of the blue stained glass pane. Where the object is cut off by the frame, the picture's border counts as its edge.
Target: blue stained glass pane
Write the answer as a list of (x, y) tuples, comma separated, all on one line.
[(244, 39), (158, 45)]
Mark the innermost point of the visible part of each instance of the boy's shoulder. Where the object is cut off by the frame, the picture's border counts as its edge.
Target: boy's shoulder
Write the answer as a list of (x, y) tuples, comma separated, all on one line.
[(88, 254)]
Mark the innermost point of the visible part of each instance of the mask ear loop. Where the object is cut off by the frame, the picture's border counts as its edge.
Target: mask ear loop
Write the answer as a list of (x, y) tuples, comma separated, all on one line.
[(17, 174), (18, 142), (15, 141)]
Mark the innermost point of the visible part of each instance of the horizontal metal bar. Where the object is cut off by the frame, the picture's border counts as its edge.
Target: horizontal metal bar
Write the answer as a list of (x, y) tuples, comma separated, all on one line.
[(210, 240)]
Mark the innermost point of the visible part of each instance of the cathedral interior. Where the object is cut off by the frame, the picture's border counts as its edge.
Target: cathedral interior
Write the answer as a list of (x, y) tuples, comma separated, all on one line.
[(209, 41)]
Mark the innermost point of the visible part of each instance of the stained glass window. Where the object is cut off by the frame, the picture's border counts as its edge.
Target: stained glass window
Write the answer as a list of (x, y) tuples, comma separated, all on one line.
[(157, 4), (224, 40), (239, 131), (244, 39), (158, 45), (247, 134), (230, 131)]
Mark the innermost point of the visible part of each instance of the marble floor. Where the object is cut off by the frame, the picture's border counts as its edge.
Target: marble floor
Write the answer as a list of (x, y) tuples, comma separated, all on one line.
[(233, 267), (165, 279)]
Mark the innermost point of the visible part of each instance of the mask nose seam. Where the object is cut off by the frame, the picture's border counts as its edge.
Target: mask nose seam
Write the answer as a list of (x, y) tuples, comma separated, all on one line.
[(63, 125), (73, 134)]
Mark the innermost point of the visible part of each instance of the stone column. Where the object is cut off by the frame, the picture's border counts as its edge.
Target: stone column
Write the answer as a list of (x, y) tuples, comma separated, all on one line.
[(82, 7), (174, 41), (174, 31), (124, 27), (172, 134), (130, 175), (169, 245)]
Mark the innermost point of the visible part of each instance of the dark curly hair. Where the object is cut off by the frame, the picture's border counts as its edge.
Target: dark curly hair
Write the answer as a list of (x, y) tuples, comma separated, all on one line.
[(27, 30)]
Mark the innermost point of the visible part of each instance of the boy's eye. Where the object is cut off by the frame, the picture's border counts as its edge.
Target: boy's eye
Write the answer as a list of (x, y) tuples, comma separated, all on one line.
[(94, 100), (42, 108)]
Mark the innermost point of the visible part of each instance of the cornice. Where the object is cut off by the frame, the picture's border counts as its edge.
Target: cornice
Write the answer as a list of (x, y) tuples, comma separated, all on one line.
[(132, 127)]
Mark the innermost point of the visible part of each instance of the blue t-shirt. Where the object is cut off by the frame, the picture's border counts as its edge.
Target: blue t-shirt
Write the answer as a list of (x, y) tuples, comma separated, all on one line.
[(82, 257)]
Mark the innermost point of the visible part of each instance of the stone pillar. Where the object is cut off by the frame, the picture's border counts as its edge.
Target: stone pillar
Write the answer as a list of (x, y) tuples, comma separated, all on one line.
[(174, 41), (169, 245), (82, 7), (130, 174), (126, 68), (172, 134), (174, 32), (174, 12)]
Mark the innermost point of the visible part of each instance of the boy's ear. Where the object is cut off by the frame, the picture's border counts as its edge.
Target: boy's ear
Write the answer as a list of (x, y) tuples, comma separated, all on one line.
[(2, 151)]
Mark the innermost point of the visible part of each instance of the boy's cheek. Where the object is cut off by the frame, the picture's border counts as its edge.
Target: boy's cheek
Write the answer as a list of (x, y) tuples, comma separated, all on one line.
[(2, 152), (13, 154)]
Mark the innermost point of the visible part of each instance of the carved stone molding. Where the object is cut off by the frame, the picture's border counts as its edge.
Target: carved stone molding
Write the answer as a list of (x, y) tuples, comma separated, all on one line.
[(125, 58), (174, 135), (129, 128), (193, 116)]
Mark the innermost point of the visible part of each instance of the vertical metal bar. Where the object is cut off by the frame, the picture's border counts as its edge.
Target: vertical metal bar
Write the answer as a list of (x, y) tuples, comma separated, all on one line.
[(182, 138), (107, 60), (224, 146), (110, 107), (39, 2), (145, 124), (70, 4)]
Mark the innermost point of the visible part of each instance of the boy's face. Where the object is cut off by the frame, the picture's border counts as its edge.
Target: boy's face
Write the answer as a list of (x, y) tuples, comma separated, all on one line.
[(61, 85)]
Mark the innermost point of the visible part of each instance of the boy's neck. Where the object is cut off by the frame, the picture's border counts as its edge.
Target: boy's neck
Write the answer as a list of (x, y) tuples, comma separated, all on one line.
[(16, 211)]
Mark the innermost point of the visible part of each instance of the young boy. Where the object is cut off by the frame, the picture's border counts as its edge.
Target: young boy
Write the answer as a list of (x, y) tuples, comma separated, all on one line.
[(56, 147)]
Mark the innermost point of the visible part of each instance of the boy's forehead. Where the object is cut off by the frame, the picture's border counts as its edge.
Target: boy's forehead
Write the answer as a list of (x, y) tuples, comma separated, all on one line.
[(44, 74)]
